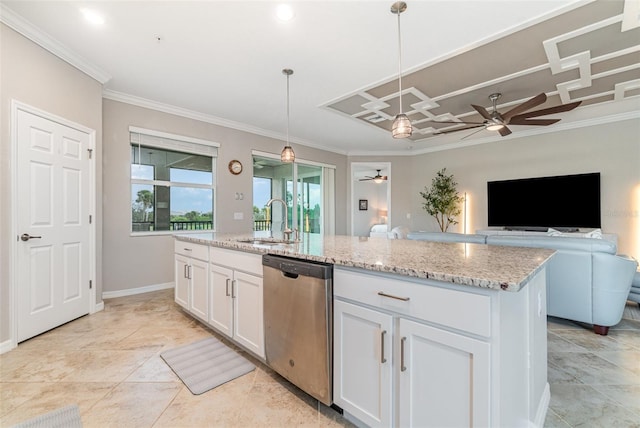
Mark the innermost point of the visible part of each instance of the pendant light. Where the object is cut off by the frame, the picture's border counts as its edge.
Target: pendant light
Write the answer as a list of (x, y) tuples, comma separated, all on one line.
[(401, 127), (287, 154)]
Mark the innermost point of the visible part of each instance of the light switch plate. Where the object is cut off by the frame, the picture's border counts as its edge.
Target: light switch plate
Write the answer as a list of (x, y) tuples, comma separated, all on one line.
[(238, 216)]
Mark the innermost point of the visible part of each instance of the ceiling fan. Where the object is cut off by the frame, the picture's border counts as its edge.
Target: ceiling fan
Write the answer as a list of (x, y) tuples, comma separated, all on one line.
[(377, 178), (518, 115)]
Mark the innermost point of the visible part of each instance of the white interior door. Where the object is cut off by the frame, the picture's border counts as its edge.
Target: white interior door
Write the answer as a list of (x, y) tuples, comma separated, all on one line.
[(53, 249)]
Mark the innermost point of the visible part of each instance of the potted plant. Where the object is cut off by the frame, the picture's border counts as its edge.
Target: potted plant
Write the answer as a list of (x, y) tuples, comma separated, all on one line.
[(442, 200)]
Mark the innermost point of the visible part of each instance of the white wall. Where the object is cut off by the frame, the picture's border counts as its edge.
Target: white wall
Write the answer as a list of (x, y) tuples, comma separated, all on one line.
[(33, 76), (132, 262), (613, 149)]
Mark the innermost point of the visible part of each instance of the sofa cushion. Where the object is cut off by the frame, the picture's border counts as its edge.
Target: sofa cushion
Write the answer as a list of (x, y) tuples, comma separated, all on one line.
[(447, 237), (555, 243)]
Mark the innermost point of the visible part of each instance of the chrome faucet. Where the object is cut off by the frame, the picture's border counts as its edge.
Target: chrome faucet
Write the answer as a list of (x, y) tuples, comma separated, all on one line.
[(287, 231)]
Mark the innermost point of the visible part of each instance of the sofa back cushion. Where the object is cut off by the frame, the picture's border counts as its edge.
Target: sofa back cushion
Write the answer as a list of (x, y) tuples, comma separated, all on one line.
[(555, 243), (447, 237)]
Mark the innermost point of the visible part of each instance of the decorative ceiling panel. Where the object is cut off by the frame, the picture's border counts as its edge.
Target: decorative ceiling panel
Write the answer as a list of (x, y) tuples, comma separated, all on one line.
[(589, 54)]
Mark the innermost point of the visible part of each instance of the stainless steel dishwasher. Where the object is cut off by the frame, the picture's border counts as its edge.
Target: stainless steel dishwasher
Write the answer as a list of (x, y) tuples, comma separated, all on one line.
[(298, 318)]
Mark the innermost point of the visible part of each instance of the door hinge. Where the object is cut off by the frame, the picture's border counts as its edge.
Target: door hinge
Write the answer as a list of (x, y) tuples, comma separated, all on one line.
[(90, 152), (90, 218), (90, 284)]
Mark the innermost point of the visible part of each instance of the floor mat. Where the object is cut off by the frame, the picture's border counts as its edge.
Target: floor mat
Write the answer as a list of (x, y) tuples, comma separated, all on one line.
[(206, 364)]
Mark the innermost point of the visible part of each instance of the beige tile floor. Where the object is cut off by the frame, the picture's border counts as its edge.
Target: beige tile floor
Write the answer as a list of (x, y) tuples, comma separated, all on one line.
[(108, 363)]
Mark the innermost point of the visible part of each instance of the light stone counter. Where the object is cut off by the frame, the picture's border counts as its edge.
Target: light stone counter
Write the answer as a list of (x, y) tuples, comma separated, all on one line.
[(478, 265)]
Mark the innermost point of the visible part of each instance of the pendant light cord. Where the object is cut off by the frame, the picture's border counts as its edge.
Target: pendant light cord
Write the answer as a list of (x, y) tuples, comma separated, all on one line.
[(399, 62), (287, 109)]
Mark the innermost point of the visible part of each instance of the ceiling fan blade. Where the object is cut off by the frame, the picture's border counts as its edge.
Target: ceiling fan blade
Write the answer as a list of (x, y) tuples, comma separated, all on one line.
[(449, 131), (539, 122), (529, 104), (551, 110), (473, 133), (504, 131), (458, 123), (483, 111)]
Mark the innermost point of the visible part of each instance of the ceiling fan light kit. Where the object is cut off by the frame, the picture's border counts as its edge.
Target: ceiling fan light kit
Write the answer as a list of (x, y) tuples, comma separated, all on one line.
[(401, 127), (287, 155)]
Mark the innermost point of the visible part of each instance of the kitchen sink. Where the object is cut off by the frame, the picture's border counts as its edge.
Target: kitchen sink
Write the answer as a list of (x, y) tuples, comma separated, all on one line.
[(258, 241)]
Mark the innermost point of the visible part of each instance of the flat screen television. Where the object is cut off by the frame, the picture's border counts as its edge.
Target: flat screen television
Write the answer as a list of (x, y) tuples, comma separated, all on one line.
[(565, 202)]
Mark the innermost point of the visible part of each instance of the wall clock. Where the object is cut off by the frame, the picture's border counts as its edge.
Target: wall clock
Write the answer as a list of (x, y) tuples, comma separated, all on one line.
[(235, 167)]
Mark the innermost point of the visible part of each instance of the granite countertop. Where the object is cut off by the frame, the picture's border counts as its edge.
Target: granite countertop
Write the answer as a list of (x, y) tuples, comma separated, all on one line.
[(478, 265)]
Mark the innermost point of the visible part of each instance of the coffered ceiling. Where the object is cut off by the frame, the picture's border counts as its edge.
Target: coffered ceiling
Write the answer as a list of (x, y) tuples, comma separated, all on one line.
[(221, 62), (589, 54)]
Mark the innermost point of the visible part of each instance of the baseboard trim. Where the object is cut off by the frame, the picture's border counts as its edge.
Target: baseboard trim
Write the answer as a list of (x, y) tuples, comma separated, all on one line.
[(543, 407), (99, 307), (134, 291), (6, 346)]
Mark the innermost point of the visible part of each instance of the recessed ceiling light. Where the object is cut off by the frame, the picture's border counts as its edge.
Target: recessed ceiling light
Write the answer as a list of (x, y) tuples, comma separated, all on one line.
[(92, 16), (284, 12)]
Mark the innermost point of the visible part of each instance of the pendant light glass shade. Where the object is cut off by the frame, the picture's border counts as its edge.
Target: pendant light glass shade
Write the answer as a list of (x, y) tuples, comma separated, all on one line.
[(401, 127), (287, 155)]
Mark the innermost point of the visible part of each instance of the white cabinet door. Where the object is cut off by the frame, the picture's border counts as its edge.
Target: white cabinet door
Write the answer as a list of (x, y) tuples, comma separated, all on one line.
[(182, 280), (362, 381), (221, 304), (199, 289), (444, 378), (248, 323)]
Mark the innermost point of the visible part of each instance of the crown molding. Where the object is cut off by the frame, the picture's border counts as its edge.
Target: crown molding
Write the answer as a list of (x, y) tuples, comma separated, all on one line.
[(521, 134), (207, 118), (36, 35)]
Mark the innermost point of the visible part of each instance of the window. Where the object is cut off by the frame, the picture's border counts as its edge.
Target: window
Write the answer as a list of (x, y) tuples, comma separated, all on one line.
[(172, 183)]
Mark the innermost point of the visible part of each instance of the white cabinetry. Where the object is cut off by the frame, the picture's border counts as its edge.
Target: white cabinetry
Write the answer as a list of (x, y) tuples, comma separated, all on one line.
[(362, 362), (443, 378), (236, 297), (191, 278), (420, 353)]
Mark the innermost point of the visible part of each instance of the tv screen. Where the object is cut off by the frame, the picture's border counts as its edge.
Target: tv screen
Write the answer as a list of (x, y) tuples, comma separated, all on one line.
[(564, 202)]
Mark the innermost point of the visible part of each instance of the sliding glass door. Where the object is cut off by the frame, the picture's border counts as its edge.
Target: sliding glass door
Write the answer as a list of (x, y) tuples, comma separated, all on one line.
[(311, 211)]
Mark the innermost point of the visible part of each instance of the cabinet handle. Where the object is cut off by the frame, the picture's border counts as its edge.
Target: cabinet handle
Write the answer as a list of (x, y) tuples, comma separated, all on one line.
[(402, 366), (233, 289), (187, 249), (189, 270), (227, 293), (382, 293), (382, 357), (185, 274)]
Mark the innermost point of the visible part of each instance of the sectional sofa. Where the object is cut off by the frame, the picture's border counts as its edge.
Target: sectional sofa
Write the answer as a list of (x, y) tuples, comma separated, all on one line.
[(586, 280)]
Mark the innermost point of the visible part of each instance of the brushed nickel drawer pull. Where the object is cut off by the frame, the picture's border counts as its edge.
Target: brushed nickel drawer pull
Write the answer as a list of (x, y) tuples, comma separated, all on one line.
[(382, 293), (228, 281), (402, 366), (382, 335)]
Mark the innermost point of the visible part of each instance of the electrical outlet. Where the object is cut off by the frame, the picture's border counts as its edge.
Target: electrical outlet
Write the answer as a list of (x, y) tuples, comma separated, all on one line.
[(238, 216)]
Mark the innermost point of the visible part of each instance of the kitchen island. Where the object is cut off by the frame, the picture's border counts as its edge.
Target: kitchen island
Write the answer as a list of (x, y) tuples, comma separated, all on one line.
[(424, 333)]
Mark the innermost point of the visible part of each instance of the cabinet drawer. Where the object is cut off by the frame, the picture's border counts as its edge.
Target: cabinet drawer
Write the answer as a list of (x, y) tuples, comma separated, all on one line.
[(237, 260), (457, 309), (189, 249)]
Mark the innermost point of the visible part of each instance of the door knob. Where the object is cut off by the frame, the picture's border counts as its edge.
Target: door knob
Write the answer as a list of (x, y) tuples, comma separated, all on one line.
[(26, 237)]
